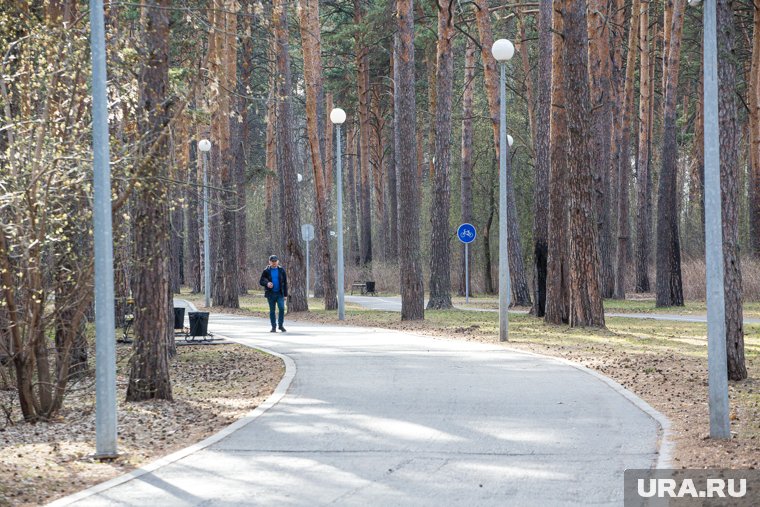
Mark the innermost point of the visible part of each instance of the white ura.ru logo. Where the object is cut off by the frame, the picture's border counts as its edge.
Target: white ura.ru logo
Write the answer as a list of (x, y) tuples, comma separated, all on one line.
[(715, 488)]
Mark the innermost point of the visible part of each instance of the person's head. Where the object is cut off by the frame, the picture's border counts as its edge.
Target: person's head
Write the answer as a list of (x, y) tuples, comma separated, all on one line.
[(274, 261)]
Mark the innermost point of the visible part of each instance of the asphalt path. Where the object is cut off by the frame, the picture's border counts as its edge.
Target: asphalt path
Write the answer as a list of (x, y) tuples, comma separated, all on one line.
[(393, 304), (378, 417)]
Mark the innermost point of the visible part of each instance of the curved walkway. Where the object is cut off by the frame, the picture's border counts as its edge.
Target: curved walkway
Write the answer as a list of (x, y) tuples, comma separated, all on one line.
[(377, 417), (393, 304)]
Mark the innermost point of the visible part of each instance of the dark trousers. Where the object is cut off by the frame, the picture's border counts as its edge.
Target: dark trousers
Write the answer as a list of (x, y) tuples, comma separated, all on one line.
[(279, 300)]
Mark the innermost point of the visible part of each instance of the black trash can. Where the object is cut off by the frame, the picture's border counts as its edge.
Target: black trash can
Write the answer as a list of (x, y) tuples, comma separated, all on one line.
[(179, 318), (198, 323), (370, 287)]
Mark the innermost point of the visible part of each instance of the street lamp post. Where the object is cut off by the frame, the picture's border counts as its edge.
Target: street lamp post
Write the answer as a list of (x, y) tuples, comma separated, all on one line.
[(205, 146), (338, 116), (720, 427), (502, 51), (105, 350)]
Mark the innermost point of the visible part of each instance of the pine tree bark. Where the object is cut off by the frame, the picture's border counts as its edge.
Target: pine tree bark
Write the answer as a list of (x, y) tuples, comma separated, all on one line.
[(519, 284), (585, 296), (177, 167), (600, 74), (754, 139), (669, 286), (315, 126), (392, 178), (467, 160), (543, 160), (149, 365), (557, 269), (487, 264), (352, 162), (412, 289), (295, 261), (643, 177), (440, 249), (729, 190), (364, 197), (270, 161), (192, 238), (624, 168)]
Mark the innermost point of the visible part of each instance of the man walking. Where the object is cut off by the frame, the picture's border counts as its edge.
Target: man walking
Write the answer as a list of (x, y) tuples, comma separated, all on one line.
[(275, 283)]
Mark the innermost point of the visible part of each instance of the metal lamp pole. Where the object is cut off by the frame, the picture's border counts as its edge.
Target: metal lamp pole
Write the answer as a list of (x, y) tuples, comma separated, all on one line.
[(502, 51), (720, 427), (205, 147), (105, 350), (338, 116)]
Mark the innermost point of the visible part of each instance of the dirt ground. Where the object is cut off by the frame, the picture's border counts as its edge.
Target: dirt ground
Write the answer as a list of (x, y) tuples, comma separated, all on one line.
[(213, 385)]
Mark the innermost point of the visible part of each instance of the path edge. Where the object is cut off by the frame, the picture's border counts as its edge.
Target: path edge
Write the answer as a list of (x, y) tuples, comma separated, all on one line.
[(665, 443), (272, 400)]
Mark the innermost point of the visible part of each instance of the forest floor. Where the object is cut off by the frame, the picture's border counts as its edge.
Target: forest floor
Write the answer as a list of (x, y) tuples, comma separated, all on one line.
[(637, 304), (213, 385), (663, 362)]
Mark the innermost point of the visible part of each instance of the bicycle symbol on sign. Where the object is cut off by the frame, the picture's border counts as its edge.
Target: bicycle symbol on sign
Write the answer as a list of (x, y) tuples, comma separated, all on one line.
[(466, 233)]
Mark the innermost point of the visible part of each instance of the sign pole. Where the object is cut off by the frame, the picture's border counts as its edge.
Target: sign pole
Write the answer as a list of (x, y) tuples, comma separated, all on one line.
[(307, 270), (466, 273)]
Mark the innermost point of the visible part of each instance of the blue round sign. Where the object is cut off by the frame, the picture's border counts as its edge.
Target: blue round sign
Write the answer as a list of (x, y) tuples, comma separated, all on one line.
[(466, 233)]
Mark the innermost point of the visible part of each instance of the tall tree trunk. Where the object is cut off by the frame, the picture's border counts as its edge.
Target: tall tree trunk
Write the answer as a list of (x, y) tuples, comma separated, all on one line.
[(543, 160), (294, 255), (729, 190), (192, 238), (149, 368), (440, 249), (520, 290), (467, 160), (226, 289), (412, 289), (487, 263), (600, 73), (352, 163), (241, 143), (669, 287), (643, 178), (377, 163), (624, 169), (362, 78), (177, 167), (392, 177), (557, 269), (315, 123), (754, 139), (270, 161), (585, 296)]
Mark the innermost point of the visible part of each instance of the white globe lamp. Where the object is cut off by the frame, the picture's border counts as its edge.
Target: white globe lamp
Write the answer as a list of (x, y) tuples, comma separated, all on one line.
[(503, 50)]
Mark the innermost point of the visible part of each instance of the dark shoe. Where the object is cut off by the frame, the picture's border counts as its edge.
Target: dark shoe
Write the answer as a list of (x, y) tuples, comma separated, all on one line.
[(282, 329), (273, 330)]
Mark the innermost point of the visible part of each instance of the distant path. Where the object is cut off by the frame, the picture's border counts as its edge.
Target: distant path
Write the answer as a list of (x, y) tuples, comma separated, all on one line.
[(379, 417), (393, 304)]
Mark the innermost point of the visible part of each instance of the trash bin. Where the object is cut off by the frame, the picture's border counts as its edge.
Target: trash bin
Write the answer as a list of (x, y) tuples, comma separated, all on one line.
[(370, 287), (198, 323), (179, 318)]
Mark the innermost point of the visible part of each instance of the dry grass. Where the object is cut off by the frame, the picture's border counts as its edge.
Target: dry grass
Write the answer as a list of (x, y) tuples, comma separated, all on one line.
[(386, 277), (693, 277)]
